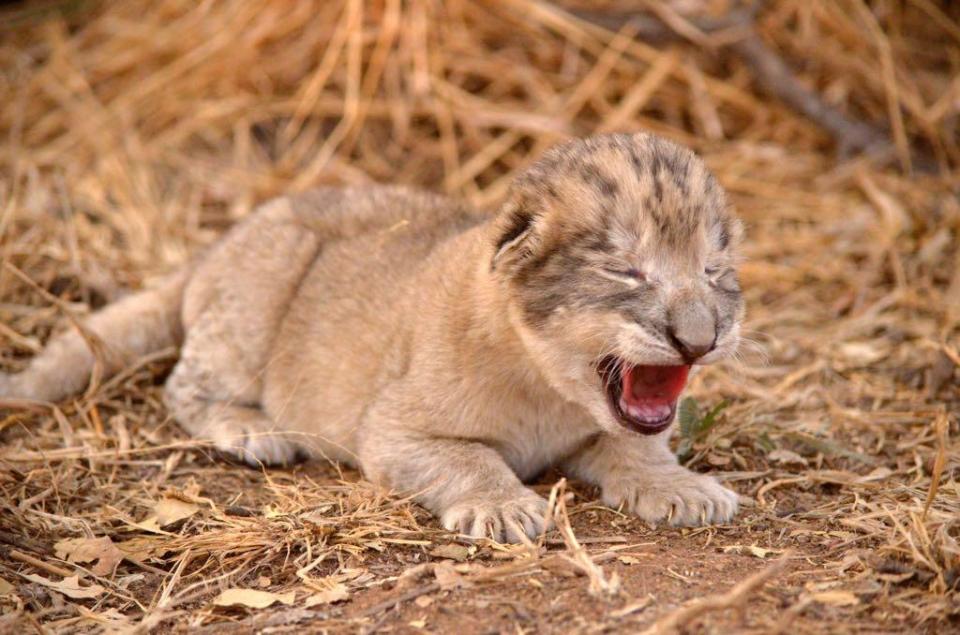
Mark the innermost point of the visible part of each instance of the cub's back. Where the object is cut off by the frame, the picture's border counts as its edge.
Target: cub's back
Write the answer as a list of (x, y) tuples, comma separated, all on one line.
[(346, 327)]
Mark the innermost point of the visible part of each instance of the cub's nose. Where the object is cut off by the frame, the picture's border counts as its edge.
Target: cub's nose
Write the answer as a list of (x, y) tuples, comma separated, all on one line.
[(692, 330), (691, 350)]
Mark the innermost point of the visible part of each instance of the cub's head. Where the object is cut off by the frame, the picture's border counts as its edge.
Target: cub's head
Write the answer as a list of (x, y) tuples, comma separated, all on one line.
[(617, 255)]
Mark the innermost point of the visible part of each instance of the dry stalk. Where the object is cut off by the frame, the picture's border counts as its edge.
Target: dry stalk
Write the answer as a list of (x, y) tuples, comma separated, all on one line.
[(737, 32), (599, 582), (941, 426), (736, 599)]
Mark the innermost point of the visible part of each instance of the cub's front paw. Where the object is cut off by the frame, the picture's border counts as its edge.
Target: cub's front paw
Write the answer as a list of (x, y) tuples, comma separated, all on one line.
[(502, 518), (676, 495)]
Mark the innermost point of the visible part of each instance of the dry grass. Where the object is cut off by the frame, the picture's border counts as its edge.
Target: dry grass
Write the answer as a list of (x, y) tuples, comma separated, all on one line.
[(134, 132)]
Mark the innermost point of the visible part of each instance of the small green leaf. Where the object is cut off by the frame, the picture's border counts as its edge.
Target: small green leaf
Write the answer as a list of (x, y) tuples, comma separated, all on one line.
[(711, 417), (693, 427)]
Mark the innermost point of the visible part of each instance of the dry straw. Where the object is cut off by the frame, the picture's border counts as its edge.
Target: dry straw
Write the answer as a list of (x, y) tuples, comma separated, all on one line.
[(135, 132)]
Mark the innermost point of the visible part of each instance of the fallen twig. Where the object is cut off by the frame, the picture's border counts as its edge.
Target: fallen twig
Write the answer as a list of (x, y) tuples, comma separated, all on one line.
[(412, 594), (40, 564), (736, 598)]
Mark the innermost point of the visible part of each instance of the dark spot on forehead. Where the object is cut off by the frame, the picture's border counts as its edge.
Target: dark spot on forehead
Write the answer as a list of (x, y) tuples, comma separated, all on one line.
[(674, 162), (709, 186), (668, 159), (653, 208), (594, 176), (656, 164), (681, 183)]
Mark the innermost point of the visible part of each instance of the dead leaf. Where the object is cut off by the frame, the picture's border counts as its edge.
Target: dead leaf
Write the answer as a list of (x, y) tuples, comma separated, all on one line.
[(418, 623), (142, 548), (718, 461), (252, 598), (836, 598), (414, 575), (633, 607), (559, 566), (166, 512), (877, 474), (5, 587), (190, 493), (125, 581), (112, 619), (753, 550), (760, 552), (447, 577), (451, 551), (70, 587), (423, 601), (101, 551), (628, 560), (893, 216), (786, 457), (861, 353), (337, 593), (169, 510)]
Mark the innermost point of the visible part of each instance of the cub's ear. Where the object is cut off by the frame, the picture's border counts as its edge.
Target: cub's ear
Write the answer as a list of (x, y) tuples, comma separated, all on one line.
[(515, 232)]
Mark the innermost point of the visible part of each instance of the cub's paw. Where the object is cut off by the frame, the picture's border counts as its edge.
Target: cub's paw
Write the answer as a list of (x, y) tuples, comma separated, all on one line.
[(502, 518), (255, 445), (676, 496), (260, 449)]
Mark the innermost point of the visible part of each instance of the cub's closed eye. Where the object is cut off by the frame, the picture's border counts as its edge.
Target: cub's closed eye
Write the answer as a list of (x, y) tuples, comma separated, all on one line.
[(712, 271), (631, 273)]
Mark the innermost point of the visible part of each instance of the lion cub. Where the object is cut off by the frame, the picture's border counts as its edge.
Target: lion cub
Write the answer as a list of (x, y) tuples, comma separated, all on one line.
[(448, 354)]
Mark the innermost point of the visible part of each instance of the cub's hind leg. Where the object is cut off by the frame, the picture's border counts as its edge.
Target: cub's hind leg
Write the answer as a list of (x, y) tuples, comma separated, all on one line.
[(214, 402), (232, 311)]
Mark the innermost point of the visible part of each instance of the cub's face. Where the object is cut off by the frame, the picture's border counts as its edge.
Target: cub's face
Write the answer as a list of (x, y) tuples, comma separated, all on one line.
[(617, 254)]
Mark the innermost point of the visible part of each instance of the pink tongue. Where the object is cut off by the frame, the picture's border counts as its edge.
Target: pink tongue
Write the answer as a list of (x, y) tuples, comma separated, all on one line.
[(649, 385)]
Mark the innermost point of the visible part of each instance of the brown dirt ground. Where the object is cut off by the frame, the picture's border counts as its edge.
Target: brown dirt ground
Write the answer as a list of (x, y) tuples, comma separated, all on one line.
[(135, 132)]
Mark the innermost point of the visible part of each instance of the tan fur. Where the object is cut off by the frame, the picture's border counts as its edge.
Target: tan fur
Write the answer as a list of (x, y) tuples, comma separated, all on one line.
[(449, 356)]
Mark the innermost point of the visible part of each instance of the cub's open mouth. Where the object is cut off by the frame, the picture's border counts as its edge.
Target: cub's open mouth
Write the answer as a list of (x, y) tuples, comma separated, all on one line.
[(642, 398)]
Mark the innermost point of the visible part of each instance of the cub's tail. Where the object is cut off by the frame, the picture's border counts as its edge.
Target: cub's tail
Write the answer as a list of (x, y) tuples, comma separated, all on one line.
[(108, 341)]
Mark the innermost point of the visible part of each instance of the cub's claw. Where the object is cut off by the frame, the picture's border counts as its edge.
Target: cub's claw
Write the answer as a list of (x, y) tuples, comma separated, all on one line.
[(504, 519), (676, 496)]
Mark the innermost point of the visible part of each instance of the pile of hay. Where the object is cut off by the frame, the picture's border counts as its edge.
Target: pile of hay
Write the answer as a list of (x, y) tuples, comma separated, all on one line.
[(134, 132)]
